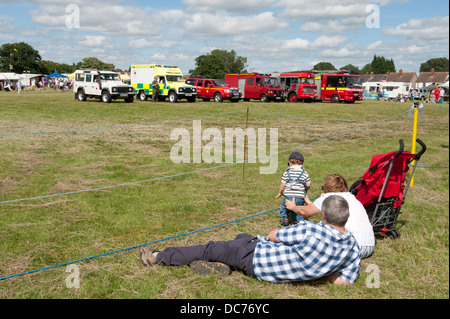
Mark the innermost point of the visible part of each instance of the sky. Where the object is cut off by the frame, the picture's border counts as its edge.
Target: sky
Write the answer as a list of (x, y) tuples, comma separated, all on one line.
[(274, 35)]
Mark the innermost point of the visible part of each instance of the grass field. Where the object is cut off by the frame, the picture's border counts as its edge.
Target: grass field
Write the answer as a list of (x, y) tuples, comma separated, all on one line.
[(52, 144)]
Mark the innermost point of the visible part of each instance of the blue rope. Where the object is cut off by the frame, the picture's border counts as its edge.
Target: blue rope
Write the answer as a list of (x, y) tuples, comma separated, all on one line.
[(133, 247), (121, 126), (201, 170)]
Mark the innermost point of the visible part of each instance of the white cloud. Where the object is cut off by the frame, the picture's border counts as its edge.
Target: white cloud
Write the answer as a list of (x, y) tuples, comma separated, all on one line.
[(423, 30), (328, 42), (375, 45), (292, 44), (152, 42), (94, 40), (235, 6), (209, 25), (306, 10)]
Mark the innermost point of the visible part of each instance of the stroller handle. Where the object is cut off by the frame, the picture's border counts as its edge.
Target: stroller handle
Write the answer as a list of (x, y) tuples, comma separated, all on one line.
[(400, 150), (424, 148)]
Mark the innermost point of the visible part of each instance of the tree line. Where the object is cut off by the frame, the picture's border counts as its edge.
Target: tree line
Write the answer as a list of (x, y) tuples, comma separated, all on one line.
[(20, 57)]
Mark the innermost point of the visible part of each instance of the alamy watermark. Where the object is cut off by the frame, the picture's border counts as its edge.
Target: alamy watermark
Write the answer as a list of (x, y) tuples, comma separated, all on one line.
[(373, 19), (373, 279), (73, 280), (73, 17), (226, 147)]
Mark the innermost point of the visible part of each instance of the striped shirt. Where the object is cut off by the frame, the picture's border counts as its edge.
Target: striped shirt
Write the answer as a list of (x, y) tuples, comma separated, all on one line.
[(307, 251), (294, 187)]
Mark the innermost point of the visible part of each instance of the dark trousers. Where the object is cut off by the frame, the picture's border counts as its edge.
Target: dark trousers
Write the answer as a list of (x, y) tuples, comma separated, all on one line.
[(237, 253)]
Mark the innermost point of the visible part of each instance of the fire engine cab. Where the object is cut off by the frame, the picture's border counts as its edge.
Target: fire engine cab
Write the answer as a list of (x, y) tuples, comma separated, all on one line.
[(340, 86), (216, 89), (298, 86), (263, 87)]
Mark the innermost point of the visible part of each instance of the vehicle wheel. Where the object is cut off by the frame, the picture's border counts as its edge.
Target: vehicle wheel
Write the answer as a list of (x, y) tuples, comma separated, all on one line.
[(106, 97), (143, 96), (393, 234), (218, 98), (173, 97), (335, 99), (129, 99), (81, 96), (293, 97), (263, 98)]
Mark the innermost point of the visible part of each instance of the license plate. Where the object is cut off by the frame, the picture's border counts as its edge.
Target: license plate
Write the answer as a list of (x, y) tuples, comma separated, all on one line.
[(123, 94), (188, 94)]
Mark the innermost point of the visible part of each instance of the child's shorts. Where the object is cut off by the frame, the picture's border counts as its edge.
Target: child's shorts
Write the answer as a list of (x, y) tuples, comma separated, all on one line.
[(286, 213)]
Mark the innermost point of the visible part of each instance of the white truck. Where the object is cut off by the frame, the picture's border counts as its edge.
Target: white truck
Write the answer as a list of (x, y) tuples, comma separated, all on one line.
[(171, 83), (103, 85)]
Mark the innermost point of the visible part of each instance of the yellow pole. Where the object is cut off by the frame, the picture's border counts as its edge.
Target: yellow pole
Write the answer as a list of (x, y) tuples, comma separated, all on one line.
[(414, 137)]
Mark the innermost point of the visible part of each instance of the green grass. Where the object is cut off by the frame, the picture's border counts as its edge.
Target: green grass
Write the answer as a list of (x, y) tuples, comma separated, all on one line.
[(92, 144)]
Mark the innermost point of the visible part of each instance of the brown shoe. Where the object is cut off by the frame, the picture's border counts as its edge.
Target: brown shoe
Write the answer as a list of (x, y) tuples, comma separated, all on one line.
[(202, 267), (147, 256)]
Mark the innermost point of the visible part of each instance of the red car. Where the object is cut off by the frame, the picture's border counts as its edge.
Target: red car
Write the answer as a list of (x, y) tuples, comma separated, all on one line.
[(218, 90)]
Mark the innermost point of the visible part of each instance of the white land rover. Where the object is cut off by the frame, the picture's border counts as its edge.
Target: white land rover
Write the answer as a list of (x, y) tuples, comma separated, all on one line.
[(104, 85)]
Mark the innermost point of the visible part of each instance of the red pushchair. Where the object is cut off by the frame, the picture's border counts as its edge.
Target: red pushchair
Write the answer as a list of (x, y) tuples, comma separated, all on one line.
[(382, 189)]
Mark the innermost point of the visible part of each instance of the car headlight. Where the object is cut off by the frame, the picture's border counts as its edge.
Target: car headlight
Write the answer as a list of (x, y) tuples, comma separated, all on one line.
[(130, 89), (114, 89), (227, 91)]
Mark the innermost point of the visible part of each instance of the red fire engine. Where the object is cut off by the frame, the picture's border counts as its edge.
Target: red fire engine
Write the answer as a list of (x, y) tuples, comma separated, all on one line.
[(340, 86), (263, 87), (298, 86)]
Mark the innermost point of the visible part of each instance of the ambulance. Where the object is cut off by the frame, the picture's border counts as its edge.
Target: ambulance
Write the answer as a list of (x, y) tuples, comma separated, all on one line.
[(263, 87), (171, 83)]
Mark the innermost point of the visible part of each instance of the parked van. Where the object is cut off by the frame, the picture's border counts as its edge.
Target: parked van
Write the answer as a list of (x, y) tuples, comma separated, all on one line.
[(171, 83), (263, 87)]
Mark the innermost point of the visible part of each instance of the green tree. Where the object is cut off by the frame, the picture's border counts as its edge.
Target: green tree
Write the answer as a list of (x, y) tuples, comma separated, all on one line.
[(323, 66), (48, 67), (351, 67), (94, 63), (20, 56), (379, 65), (209, 66), (217, 63), (438, 64)]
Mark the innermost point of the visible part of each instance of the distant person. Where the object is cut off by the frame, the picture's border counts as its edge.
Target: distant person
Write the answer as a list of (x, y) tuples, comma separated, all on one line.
[(155, 86), (295, 182), (305, 251), (436, 93)]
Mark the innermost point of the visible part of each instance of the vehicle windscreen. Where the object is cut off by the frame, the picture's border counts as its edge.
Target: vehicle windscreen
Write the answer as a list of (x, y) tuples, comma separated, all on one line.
[(220, 83), (174, 78), (271, 82), (110, 76), (354, 81), (306, 80)]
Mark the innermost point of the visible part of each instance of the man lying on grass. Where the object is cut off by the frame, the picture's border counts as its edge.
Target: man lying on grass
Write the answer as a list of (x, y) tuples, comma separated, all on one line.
[(305, 251)]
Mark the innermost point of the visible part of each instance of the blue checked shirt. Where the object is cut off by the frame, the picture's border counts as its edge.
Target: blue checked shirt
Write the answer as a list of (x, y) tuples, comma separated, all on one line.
[(307, 251)]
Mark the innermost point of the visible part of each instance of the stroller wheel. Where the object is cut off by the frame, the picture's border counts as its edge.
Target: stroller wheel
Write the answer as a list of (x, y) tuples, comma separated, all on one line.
[(392, 234)]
